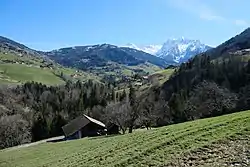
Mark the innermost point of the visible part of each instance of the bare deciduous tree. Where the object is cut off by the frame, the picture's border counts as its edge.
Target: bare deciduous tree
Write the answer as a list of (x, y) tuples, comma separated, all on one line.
[(146, 115), (14, 130), (118, 113), (208, 99)]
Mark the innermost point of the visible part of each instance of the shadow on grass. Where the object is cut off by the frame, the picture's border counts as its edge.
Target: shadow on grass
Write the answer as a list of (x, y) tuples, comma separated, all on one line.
[(89, 138), (104, 136)]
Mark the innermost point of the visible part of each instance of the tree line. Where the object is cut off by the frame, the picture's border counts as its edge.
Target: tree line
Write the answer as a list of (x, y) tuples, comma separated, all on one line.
[(33, 111), (199, 88), (203, 88), (39, 111)]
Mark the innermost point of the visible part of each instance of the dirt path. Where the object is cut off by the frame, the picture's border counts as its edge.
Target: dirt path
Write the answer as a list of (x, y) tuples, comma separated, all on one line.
[(34, 143)]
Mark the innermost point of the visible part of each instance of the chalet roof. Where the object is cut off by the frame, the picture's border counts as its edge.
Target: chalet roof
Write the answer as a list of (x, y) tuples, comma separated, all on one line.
[(78, 123), (94, 121)]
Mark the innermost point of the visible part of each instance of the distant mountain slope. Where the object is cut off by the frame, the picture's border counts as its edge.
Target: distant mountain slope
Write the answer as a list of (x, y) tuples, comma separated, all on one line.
[(13, 46), (177, 51), (85, 57), (101, 62), (147, 57), (18, 48), (239, 42), (19, 64), (7, 41)]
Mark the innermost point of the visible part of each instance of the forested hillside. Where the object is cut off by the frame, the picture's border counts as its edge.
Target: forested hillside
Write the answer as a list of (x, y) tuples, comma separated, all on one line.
[(203, 87), (33, 111), (239, 42), (208, 85)]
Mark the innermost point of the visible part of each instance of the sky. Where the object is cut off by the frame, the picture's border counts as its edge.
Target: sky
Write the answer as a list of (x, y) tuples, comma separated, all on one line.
[(47, 24)]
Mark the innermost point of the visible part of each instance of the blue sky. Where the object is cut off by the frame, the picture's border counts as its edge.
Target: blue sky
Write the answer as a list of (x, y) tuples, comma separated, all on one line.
[(48, 24)]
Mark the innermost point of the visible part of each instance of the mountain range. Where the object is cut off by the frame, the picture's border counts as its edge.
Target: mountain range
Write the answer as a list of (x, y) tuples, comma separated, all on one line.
[(174, 51), (84, 57), (105, 60)]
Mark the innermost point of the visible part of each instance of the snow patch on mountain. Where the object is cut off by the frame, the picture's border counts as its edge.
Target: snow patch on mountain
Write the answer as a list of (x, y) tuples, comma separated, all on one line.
[(174, 51), (151, 49), (182, 48)]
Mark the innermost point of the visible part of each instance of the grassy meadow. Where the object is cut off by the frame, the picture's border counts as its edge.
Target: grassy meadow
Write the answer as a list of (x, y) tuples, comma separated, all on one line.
[(16, 69), (162, 75), (19, 73), (164, 146)]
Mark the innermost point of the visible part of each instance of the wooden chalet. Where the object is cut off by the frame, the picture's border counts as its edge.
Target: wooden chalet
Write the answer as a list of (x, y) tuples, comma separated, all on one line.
[(112, 129), (83, 126)]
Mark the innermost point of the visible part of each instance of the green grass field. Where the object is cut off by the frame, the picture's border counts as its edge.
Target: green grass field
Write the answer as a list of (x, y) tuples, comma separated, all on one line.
[(155, 147), (163, 75), (19, 73), (25, 58), (147, 67), (16, 69)]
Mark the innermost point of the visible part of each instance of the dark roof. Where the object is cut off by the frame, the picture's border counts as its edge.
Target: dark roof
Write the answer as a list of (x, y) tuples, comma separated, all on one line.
[(78, 123)]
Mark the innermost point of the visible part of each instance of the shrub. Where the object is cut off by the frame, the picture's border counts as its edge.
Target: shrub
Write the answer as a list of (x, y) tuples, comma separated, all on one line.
[(14, 130)]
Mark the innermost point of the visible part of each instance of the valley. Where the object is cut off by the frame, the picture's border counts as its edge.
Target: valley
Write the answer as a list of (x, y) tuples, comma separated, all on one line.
[(104, 62), (198, 104), (52, 69), (150, 83)]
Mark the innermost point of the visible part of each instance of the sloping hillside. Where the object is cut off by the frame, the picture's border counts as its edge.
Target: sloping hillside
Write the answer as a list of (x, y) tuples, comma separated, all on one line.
[(162, 75), (8, 43), (192, 143), (19, 64), (105, 62), (17, 69), (85, 57), (239, 42), (112, 63), (226, 66)]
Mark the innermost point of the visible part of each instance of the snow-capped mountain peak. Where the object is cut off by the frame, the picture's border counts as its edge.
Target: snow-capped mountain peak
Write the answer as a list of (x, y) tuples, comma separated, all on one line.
[(174, 51), (181, 49)]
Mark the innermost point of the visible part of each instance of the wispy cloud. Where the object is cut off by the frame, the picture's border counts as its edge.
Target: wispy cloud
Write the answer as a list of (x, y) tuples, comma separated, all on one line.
[(204, 11), (198, 8), (210, 16), (241, 22)]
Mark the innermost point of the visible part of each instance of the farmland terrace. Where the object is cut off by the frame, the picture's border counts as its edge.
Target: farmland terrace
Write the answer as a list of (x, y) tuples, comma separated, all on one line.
[(218, 141)]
